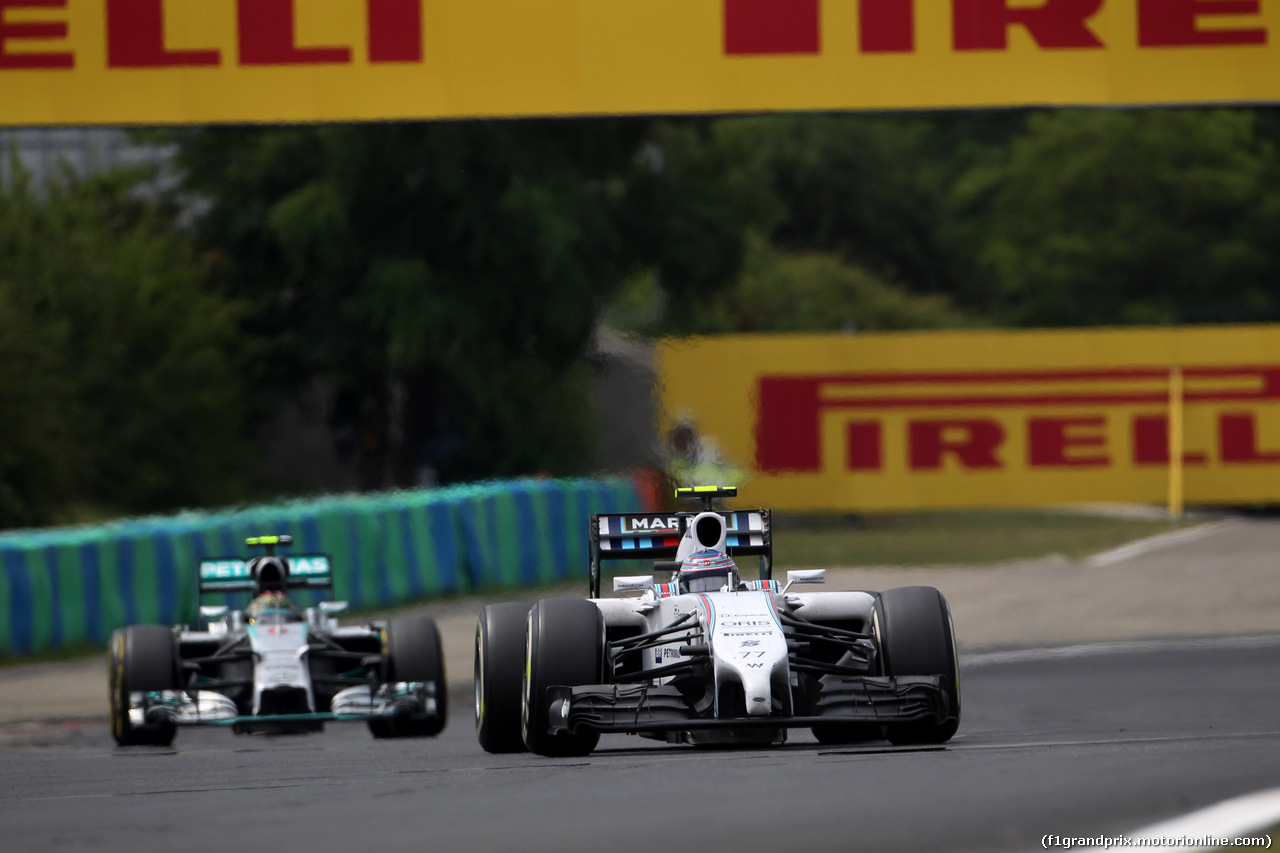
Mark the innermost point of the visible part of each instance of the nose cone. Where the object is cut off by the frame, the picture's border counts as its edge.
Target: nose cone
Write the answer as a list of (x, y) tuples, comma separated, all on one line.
[(757, 685), (748, 648)]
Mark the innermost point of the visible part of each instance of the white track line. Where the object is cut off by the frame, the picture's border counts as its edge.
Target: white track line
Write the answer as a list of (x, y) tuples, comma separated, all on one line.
[(968, 661), (1244, 816), (1154, 543)]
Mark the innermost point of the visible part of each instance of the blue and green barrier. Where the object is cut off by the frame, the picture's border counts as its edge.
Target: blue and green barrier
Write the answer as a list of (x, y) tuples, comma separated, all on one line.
[(72, 586)]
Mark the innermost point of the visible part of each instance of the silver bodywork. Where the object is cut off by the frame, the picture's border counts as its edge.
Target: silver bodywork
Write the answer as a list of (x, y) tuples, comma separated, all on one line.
[(281, 657)]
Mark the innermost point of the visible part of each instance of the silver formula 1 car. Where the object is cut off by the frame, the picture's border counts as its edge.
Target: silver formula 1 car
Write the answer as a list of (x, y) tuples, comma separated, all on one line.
[(708, 658), (273, 667)]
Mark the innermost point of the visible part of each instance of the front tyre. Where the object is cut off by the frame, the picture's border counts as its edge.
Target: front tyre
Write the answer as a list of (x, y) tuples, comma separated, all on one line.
[(564, 646), (141, 659), (413, 653), (917, 638), (499, 674)]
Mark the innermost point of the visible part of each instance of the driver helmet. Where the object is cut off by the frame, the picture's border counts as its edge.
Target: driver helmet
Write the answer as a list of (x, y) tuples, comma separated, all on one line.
[(269, 573), (273, 606), (708, 571)]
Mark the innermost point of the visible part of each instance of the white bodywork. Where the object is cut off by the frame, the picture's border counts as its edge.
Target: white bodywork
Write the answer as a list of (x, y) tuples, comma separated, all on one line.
[(740, 628), (707, 657), (747, 643)]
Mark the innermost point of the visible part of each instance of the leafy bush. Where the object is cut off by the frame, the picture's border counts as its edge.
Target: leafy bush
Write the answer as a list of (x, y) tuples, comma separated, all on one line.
[(119, 367)]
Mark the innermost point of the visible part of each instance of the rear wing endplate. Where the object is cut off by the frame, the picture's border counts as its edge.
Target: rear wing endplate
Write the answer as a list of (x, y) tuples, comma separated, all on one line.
[(656, 536), (306, 571)]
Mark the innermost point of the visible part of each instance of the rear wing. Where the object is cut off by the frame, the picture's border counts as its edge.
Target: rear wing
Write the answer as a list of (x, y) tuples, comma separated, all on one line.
[(306, 571), (656, 536)]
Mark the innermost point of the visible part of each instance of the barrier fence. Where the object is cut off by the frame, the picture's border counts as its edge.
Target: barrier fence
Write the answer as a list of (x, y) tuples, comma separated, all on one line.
[(64, 587)]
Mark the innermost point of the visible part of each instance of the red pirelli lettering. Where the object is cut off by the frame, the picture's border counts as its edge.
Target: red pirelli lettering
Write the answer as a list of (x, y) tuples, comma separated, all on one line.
[(865, 446), (1058, 24), (135, 38), (888, 26), (1176, 23), (395, 30), (267, 37), (40, 30), (1066, 442), (772, 27), (973, 442), (1238, 437), (791, 411), (1151, 443)]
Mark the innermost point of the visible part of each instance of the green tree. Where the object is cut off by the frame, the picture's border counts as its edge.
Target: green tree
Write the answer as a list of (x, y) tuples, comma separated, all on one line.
[(118, 373), (783, 291), (695, 194), (853, 203), (796, 291), (1111, 217), (448, 276)]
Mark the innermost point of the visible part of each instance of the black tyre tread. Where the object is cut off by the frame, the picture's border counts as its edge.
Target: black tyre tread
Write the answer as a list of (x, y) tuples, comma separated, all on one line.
[(499, 671), (564, 646), (141, 658), (917, 639)]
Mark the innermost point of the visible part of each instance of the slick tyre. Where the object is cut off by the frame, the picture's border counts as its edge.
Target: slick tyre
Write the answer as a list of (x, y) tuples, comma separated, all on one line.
[(140, 659), (413, 653), (917, 638), (499, 672), (564, 646)]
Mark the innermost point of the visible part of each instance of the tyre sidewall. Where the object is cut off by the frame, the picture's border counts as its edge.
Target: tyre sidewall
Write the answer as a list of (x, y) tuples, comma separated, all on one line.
[(917, 638), (141, 659), (564, 646), (499, 672)]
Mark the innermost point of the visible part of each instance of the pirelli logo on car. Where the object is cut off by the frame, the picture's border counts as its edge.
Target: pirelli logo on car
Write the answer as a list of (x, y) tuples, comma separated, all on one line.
[(990, 418)]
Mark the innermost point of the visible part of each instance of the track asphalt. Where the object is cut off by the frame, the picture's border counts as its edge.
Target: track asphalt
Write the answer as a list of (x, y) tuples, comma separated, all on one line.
[(1219, 579)]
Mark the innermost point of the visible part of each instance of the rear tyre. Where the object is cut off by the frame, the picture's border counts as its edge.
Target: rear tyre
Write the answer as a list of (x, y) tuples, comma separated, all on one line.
[(917, 638), (499, 671), (564, 646), (413, 653), (141, 659)]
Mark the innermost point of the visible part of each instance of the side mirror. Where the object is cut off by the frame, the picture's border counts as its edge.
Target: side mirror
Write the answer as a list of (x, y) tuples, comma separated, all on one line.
[(332, 608), (212, 612), (805, 576), (636, 583)]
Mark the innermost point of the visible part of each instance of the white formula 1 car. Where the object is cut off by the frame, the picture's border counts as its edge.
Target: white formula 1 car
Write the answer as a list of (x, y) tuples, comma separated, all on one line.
[(272, 667), (708, 658)]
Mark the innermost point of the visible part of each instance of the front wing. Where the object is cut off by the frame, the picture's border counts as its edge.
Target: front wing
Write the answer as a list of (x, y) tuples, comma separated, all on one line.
[(636, 708), (209, 708)]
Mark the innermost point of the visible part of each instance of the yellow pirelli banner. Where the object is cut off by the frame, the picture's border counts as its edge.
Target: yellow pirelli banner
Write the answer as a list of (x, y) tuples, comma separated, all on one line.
[(204, 61), (986, 419)]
